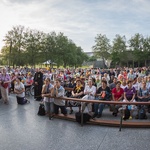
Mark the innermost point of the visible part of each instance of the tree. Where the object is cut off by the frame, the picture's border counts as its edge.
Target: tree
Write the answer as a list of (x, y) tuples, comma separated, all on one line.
[(118, 53), (146, 49), (136, 45), (102, 47), (14, 40), (33, 46)]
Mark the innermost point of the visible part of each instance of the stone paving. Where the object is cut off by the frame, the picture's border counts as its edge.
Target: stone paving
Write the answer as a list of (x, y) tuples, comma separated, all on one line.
[(22, 129)]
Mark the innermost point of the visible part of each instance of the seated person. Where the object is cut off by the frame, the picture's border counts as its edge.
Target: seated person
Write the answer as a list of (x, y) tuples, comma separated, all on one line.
[(129, 96), (59, 91), (29, 80), (117, 95), (89, 93), (78, 92), (103, 93), (143, 96)]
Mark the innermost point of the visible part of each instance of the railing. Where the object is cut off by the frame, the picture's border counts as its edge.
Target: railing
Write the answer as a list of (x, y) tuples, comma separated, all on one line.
[(136, 124)]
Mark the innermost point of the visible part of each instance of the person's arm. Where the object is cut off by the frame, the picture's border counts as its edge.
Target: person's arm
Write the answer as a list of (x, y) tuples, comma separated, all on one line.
[(133, 97), (93, 91), (9, 80), (113, 96), (44, 90), (125, 97), (73, 93), (138, 94), (147, 94), (60, 93), (20, 91), (121, 97), (79, 94)]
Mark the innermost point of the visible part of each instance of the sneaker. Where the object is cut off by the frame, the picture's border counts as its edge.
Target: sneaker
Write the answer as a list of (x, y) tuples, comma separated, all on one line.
[(130, 117)]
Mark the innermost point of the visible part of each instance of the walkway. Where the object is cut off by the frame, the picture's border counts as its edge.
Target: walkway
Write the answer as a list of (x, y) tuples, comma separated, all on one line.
[(22, 129)]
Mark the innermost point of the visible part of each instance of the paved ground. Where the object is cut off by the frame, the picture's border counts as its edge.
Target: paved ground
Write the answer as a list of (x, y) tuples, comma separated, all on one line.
[(22, 129)]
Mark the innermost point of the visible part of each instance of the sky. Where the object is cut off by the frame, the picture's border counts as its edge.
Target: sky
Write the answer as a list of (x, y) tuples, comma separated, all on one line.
[(79, 20)]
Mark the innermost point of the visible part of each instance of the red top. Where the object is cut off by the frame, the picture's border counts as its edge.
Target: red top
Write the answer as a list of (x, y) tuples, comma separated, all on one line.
[(117, 94)]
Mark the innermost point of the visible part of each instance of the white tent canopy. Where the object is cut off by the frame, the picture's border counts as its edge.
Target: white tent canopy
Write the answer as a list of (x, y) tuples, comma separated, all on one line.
[(48, 62)]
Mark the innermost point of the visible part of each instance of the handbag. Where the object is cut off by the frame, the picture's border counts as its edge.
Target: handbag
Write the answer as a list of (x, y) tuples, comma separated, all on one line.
[(4, 85)]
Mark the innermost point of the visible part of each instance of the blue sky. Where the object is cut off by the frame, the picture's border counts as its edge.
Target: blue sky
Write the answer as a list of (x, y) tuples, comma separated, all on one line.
[(80, 20)]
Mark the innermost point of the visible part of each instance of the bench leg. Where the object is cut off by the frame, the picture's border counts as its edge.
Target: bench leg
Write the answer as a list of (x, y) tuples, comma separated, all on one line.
[(120, 123)]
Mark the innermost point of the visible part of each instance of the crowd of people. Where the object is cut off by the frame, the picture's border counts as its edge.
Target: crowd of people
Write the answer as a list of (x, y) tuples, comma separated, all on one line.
[(119, 84)]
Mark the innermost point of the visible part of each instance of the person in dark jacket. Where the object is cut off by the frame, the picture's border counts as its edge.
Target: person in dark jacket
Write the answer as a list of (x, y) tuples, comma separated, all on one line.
[(38, 83)]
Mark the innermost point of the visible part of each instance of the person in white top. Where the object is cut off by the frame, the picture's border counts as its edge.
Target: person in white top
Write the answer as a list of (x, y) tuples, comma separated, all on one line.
[(124, 83), (89, 92)]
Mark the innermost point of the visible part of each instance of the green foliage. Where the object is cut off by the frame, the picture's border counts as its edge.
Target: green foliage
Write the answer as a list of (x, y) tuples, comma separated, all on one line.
[(138, 49), (118, 49), (31, 47)]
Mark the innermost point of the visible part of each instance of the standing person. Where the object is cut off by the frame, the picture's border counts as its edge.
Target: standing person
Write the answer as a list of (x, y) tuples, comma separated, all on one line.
[(38, 83), (46, 91), (4, 85), (59, 91)]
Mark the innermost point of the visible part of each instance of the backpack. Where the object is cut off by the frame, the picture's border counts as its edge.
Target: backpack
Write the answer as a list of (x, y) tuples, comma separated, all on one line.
[(41, 111), (86, 117), (142, 113), (21, 100), (126, 113)]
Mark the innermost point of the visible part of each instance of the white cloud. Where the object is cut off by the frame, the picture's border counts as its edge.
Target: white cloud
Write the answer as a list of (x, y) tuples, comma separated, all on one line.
[(80, 20)]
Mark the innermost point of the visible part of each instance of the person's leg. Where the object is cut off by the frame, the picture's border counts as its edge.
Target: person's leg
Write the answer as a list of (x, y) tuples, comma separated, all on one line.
[(83, 106), (71, 110), (35, 91), (79, 108), (63, 110), (56, 108), (51, 107), (101, 107), (95, 110), (47, 107), (4, 93), (89, 106), (123, 109), (133, 107)]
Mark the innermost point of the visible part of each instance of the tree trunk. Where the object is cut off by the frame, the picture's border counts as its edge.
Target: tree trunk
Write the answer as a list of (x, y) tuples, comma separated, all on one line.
[(145, 63), (133, 63), (103, 62)]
